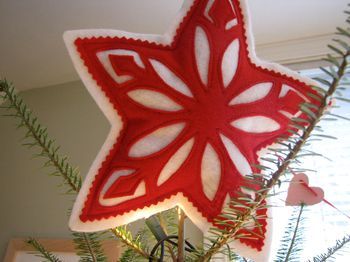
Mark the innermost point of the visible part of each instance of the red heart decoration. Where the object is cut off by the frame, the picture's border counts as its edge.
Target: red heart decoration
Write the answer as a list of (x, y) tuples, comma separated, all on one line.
[(300, 193)]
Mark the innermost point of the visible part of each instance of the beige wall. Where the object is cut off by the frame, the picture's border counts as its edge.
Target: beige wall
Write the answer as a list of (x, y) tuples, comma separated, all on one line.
[(30, 201)]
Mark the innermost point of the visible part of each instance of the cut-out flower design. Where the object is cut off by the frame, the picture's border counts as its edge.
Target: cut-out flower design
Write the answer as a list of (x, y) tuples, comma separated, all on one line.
[(195, 112)]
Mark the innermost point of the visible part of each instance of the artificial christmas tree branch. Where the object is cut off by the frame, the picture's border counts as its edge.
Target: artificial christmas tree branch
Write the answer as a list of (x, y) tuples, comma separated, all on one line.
[(295, 148)]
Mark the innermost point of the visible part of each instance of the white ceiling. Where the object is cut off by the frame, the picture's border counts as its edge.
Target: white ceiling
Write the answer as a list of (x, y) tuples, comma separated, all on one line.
[(33, 54)]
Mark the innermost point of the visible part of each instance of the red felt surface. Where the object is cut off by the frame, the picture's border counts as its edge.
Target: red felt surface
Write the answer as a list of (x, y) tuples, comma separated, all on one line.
[(206, 116)]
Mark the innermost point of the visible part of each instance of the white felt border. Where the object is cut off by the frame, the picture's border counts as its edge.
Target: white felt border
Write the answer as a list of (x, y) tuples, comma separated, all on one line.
[(116, 126)]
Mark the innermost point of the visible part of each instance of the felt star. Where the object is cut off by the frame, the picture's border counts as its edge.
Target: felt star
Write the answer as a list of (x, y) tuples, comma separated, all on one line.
[(189, 112)]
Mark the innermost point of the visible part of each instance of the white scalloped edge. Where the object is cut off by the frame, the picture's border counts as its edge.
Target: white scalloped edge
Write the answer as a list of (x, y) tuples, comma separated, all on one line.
[(116, 126)]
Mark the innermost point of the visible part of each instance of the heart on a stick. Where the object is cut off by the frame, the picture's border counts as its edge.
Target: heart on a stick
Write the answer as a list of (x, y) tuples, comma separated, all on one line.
[(300, 192)]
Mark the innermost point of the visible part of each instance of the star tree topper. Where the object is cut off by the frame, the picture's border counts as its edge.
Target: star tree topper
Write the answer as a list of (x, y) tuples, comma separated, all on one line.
[(189, 110)]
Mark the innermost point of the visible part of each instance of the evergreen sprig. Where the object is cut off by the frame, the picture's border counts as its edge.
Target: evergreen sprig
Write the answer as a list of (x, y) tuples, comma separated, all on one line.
[(37, 136), (88, 247), (303, 131), (135, 245), (291, 242), (41, 251), (340, 244), (145, 239)]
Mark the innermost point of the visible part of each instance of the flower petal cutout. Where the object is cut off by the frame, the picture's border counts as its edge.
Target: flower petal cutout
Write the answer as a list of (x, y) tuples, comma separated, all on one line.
[(230, 63), (170, 78), (207, 9), (103, 56), (139, 191), (256, 124), (202, 52), (231, 24), (237, 158), (156, 141), (154, 100), (210, 172), (252, 94), (175, 162)]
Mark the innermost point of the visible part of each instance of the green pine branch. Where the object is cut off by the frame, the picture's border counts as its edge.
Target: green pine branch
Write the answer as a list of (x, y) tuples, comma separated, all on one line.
[(37, 136), (290, 247), (41, 251), (88, 247), (136, 245), (340, 244), (293, 145)]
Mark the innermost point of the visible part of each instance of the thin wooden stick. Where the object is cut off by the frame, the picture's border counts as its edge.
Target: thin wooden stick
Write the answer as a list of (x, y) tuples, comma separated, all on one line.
[(181, 236)]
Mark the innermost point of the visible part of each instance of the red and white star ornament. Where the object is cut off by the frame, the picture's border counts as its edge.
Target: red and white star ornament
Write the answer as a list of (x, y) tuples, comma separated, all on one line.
[(189, 110)]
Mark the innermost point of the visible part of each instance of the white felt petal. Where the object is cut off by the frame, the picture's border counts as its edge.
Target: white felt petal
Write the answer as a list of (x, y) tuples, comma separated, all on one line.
[(140, 190), (210, 172), (253, 94), (170, 78), (231, 24), (238, 159), (156, 141), (175, 162), (286, 114), (284, 91), (202, 51), (286, 88), (114, 177), (124, 52), (207, 10), (256, 124), (154, 100), (106, 62), (230, 62)]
